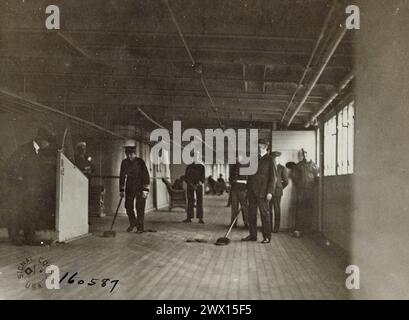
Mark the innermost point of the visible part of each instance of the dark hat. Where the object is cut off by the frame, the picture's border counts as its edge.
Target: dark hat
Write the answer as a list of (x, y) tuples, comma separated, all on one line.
[(275, 154), (263, 141), (45, 133), (290, 165), (130, 150)]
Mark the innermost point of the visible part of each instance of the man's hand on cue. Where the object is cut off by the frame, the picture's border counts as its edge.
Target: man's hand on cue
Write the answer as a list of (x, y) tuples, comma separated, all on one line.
[(269, 196)]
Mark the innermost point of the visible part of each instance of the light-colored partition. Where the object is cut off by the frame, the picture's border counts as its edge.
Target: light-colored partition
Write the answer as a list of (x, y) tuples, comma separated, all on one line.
[(288, 143), (72, 201)]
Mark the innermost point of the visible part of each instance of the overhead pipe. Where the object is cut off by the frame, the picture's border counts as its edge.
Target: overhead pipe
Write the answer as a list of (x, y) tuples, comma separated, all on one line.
[(162, 127), (331, 98), (150, 119), (307, 67), (72, 44), (321, 68), (197, 67), (36, 106)]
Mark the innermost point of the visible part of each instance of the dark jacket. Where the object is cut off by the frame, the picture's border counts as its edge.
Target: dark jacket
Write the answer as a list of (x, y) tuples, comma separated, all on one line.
[(25, 171), (305, 174), (135, 173), (265, 179), (195, 173), (282, 180), (234, 176), (84, 164)]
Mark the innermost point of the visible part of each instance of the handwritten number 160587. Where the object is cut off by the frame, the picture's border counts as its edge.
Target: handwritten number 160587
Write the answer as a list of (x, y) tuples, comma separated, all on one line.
[(103, 282)]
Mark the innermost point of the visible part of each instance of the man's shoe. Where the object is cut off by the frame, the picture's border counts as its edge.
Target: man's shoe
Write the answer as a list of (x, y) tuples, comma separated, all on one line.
[(187, 221), (249, 238), (275, 231), (201, 221), (265, 241), (130, 228), (139, 231)]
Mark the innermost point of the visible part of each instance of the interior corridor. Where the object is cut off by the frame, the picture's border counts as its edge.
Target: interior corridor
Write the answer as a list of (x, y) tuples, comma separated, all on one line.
[(162, 265)]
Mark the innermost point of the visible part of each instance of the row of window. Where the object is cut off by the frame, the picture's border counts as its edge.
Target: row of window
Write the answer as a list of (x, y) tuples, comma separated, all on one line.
[(339, 142)]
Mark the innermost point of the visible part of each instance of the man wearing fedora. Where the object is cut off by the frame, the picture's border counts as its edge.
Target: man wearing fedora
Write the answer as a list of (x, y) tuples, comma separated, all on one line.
[(282, 183), (260, 190), (134, 181)]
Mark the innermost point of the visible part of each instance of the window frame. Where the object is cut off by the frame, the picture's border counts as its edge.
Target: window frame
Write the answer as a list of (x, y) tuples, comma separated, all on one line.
[(337, 113)]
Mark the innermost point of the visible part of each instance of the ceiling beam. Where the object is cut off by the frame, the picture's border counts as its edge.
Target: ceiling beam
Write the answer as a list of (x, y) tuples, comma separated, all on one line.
[(111, 56), (347, 79), (319, 70)]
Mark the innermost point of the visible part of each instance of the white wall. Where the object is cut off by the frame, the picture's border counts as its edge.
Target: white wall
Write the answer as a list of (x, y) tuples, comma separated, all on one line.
[(288, 143)]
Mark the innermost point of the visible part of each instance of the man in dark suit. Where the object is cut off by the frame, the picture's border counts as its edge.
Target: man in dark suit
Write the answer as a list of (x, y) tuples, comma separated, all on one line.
[(26, 176), (134, 181), (282, 183), (260, 190), (195, 177), (305, 174), (238, 192)]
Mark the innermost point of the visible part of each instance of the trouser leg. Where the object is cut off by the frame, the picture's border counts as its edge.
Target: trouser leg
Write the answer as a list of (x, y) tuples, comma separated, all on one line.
[(13, 225), (309, 210), (199, 202), (277, 212), (253, 217), (234, 205), (298, 213), (140, 210), (130, 195), (28, 223), (264, 207), (242, 196), (29, 232), (301, 211), (190, 202)]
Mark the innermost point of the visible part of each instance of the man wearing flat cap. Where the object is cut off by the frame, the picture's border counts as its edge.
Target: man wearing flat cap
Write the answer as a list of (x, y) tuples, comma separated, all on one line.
[(282, 183), (25, 173), (260, 190)]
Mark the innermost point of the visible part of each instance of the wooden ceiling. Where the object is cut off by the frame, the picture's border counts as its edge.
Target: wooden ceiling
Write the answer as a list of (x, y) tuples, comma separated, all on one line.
[(112, 56)]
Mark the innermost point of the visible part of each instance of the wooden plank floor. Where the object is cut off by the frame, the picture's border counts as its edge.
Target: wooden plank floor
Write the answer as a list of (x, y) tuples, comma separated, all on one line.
[(162, 265)]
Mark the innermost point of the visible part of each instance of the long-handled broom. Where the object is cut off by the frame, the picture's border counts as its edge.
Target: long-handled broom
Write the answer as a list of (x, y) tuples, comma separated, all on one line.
[(110, 233), (224, 241)]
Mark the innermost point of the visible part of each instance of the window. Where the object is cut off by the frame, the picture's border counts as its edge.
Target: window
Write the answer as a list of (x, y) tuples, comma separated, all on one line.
[(339, 142), (330, 146)]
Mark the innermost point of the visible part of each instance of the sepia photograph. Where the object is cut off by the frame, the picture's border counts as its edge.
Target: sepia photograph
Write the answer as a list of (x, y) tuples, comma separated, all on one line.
[(204, 155)]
